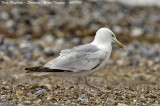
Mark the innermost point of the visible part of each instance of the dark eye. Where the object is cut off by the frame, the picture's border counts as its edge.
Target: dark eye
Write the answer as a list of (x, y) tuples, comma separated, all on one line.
[(112, 35)]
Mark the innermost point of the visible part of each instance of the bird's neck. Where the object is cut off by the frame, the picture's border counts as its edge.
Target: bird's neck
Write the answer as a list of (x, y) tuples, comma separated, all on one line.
[(107, 46)]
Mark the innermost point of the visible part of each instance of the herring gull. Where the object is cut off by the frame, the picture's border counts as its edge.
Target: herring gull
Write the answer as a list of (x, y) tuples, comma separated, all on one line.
[(83, 60)]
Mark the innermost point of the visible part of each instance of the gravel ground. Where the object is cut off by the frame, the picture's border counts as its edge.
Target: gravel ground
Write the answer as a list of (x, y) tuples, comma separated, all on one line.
[(131, 78), (124, 86)]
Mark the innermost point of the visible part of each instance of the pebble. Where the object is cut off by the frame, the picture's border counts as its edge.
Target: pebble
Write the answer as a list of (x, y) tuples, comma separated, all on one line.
[(49, 52), (48, 38), (9, 24), (87, 40), (40, 92), (20, 105), (1, 40), (27, 102), (117, 29), (83, 99), (60, 41), (123, 62), (5, 104), (149, 52), (135, 32), (122, 104), (4, 15), (75, 41)]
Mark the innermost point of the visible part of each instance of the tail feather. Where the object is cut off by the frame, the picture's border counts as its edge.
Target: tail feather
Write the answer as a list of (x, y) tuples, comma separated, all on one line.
[(43, 69)]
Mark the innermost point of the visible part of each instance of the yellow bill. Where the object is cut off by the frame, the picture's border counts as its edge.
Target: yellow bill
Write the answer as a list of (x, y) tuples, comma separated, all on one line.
[(119, 44)]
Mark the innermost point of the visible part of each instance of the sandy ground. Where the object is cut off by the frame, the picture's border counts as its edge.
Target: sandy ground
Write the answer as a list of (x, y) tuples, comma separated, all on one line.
[(124, 86)]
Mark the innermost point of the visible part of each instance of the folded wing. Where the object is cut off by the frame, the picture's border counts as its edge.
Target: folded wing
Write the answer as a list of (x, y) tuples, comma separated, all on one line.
[(77, 60)]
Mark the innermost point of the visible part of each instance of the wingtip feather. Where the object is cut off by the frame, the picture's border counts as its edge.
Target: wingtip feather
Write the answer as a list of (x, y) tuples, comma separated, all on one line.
[(32, 69)]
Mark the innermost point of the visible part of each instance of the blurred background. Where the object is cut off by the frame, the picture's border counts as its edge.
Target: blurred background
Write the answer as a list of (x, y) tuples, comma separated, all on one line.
[(33, 34)]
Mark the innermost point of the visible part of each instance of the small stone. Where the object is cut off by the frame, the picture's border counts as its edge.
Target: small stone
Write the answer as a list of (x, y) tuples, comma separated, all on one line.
[(26, 37), (87, 39), (3, 96), (135, 32), (156, 67), (122, 104), (48, 52), (25, 44), (20, 93), (1, 40), (20, 105), (83, 99), (38, 101), (48, 38), (60, 41), (149, 53), (49, 98), (40, 92), (27, 102), (117, 29), (116, 55), (4, 56), (4, 15), (75, 40), (9, 23), (123, 62)]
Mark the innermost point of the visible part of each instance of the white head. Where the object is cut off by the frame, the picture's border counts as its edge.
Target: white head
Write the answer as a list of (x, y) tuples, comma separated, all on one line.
[(105, 36)]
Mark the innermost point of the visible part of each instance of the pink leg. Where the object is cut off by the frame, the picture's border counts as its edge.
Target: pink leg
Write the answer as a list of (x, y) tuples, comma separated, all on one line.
[(92, 86)]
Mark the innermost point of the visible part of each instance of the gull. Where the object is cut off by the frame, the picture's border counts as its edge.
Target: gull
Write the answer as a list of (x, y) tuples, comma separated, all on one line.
[(83, 60)]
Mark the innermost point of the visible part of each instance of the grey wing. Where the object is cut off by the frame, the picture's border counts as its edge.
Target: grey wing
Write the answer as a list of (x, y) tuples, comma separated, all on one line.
[(81, 48), (77, 61), (65, 51)]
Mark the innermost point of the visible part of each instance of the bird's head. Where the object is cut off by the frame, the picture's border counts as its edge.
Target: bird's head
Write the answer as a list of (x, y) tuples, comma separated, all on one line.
[(104, 35)]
